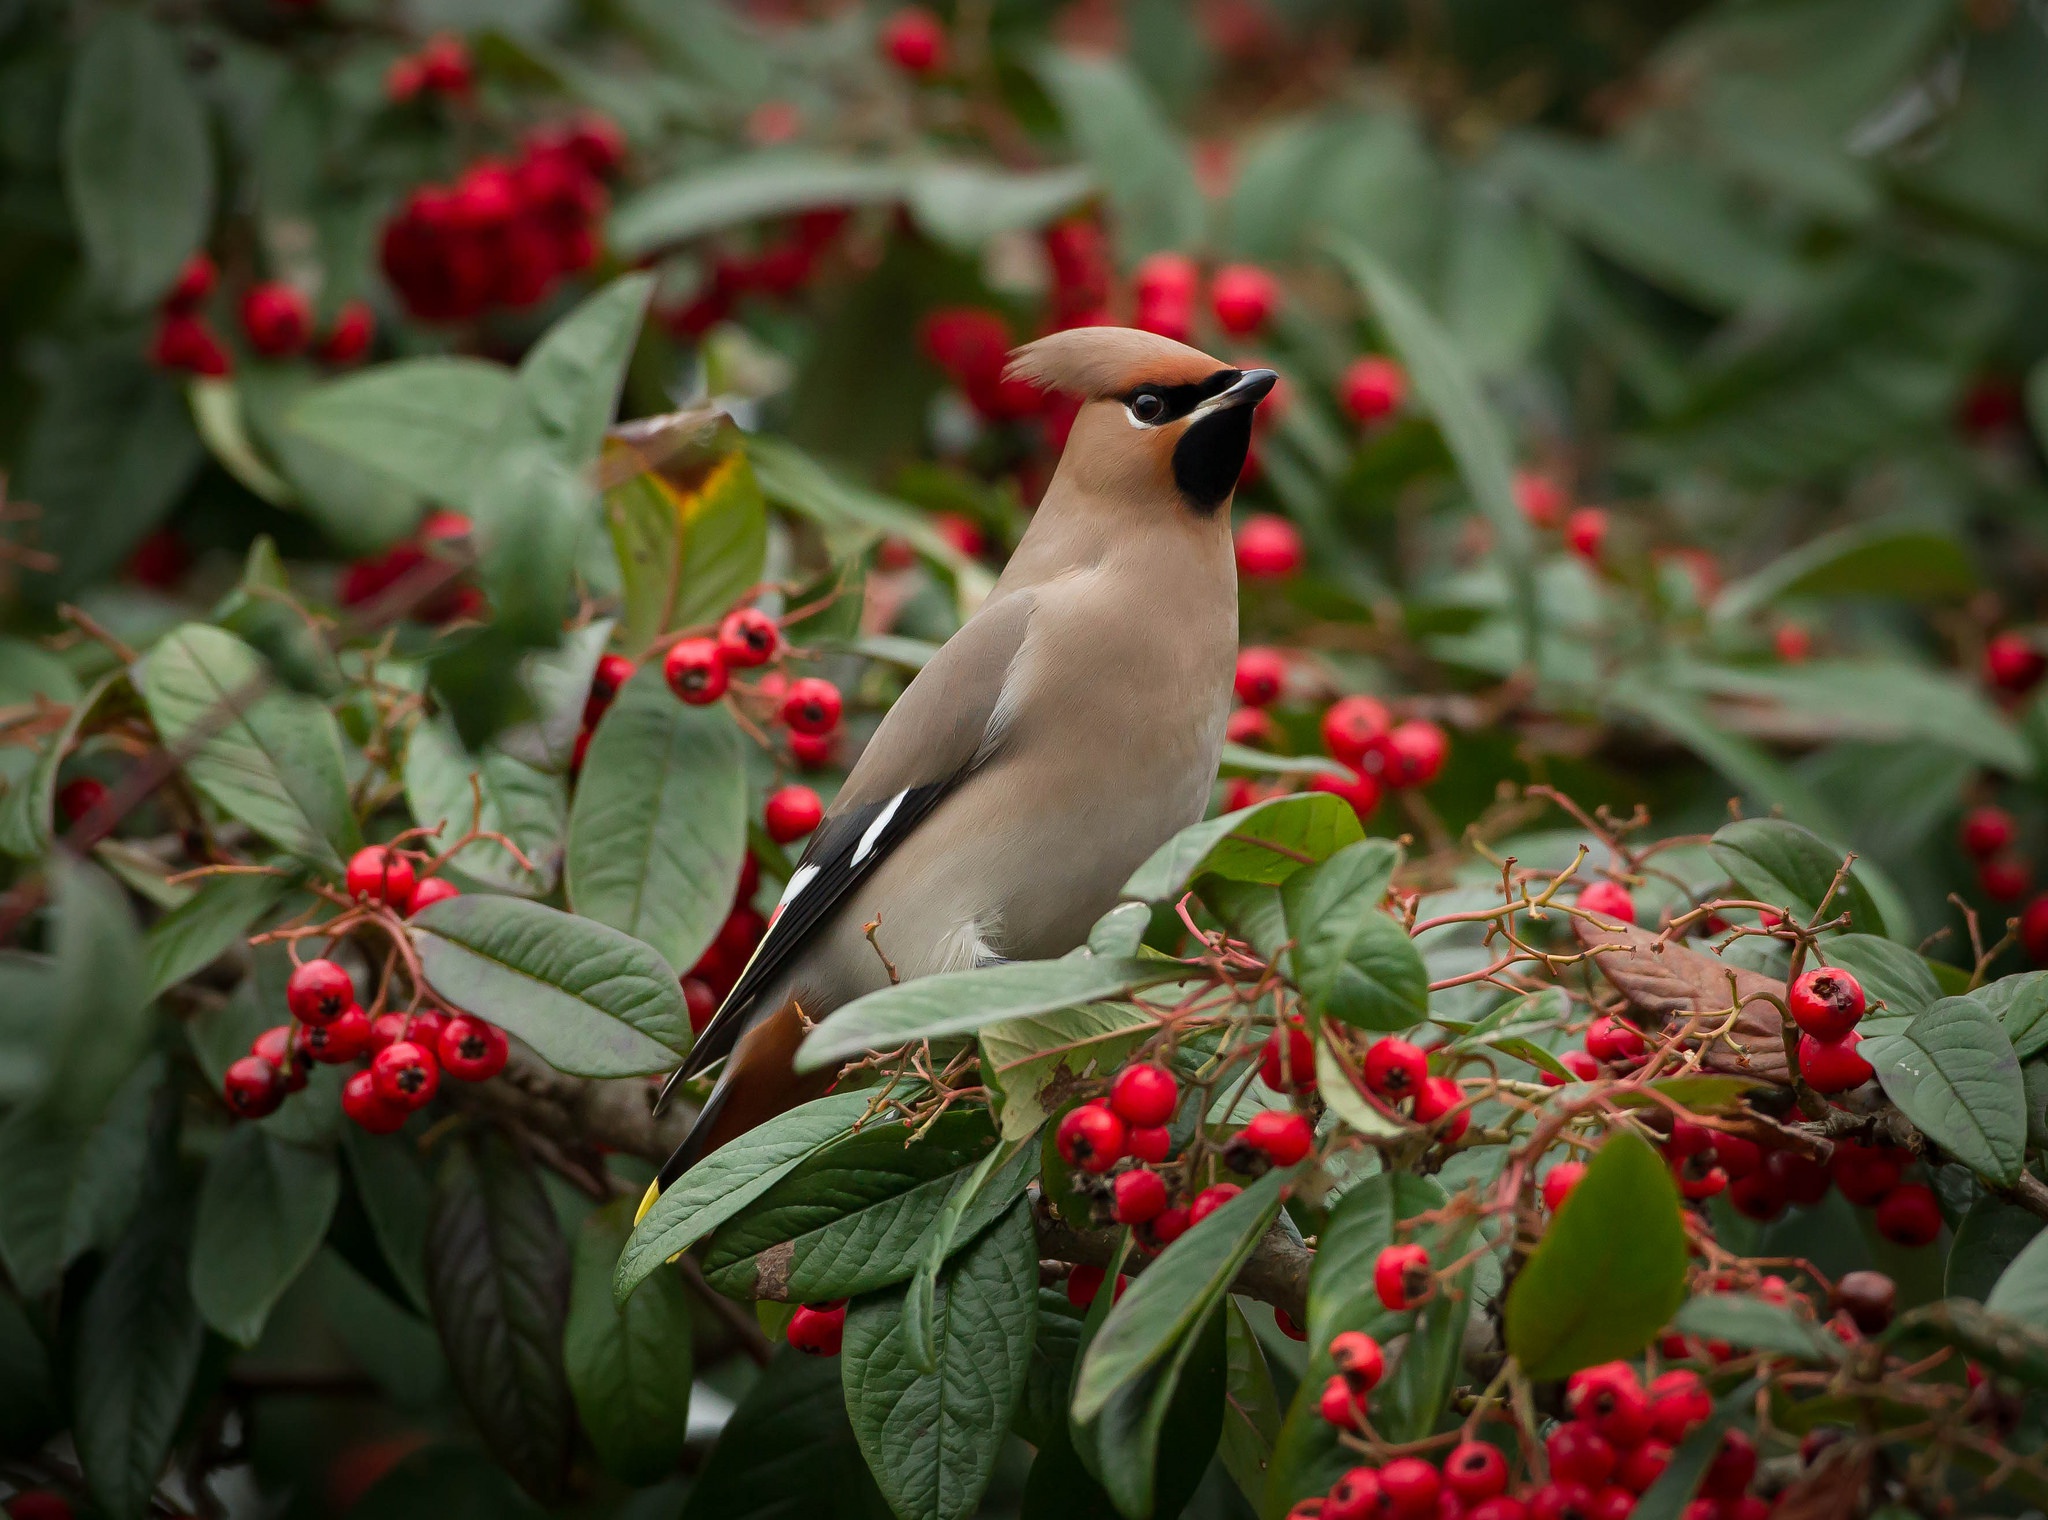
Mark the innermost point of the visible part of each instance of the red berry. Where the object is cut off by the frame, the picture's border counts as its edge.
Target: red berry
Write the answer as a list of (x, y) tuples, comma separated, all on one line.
[(1288, 1064), (1499, 1507), (471, 1050), (1475, 1470), (1733, 1467), (1609, 900), (812, 752), (1864, 1173), (1738, 1157), (369, 1108), (1987, 831), (819, 1331), (277, 319), (1559, 1181), (1339, 1404), (444, 65), (695, 671), (350, 336), (1760, 1196), (1869, 1299), (1678, 1402), (1139, 1196), (2005, 878), (380, 875), (1164, 1228), (1611, 1400), (1826, 1002), (1579, 1454), (701, 1001), (1149, 1142), (1374, 387), (1909, 1215), (403, 80), (812, 706), (1415, 754), (253, 1087), (318, 991), (1282, 1138), (338, 1041), (1249, 725), (1400, 1276), (407, 1074), (1360, 790), (1409, 1486), (1355, 1496), (79, 796), (280, 1047), (1561, 1501), (1144, 1094), (791, 813), (194, 284), (1395, 1069), (612, 673), (1210, 1199), (1269, 548), (1085, 1281), (748, 637), (1358, 1359), (1091, 1137), (2012, 663), (1586, 531), (915, 41), (434, 889), (185, 342), (1350, 726), (1794, 642), (1166, 277), (386, 1029), (2034, 930), (1288, 1327), (1833, 1066), (1542, 500), (1261, 676), (1441, 1096), (1610, 1039), (1244, 298), (1643, 1465)]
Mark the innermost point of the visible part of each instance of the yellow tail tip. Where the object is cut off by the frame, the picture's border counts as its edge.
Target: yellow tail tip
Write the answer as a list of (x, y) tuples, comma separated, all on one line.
[(647, 1200)]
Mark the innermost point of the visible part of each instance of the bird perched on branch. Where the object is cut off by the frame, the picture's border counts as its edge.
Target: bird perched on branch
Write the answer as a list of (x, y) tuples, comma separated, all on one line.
[(1069, 728)]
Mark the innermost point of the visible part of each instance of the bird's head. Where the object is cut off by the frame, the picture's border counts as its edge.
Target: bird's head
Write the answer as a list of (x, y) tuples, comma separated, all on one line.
[(1157, 416)]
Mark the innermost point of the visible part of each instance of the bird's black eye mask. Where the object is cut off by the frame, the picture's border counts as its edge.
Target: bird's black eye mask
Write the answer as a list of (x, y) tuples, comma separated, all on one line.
[(1155, 405)]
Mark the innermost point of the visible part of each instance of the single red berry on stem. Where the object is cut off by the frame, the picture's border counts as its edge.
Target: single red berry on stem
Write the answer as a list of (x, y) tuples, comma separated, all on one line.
[(1090, 1137), (1340, 1404), (445, 67), (369, 1108), (1151, 1143), (1438, 1097), (1358, 1359), (1833, 1066), (1244, 298), (1826, 1002), (1733, 1467), (1374, 387), (1363, 792), (1611, 1400), (279, 1046), (812, 706), (318, 992), (791, 813), (185, 342), (1395, 1069), (1869, 1298), (407, 1074), (1351, 725), (1269, 548), (1559, 1181), (1085, 1281), (2012, 663), (1261, 676), (1679, 1401), (695, 670), (1288, 1062), (1138, 1196), (1410, 1487), (2005, 878), (915, 41), (818, 1331), (1910, 1215), (253, 1087), (1586, 531), (1476, 1470), (1252, 726), (1416, 752), (277, 319), (1282, 1138), (381, 875), (606, 682), (1794, 642), (1609, 900), (748, 637), (1210, 1199), (701, 1001), (2034, 930), (1610, 1039), (1865, 1173), (471, 1050), (1988, 830), (1355, 1496), (1579, 1454), (1144, 1094), (1542, 500), (338, 1041), (1400, 1276), (1643, 1464), (434, 889)]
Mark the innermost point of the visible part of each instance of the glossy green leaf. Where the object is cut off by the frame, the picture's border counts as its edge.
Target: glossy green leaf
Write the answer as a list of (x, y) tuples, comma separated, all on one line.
[(444, 784), (99, 1022), (276, 765), (724, 1183), (1144, 172), (1610, 1270), (931, 1439), (591, 1000), (2020, 1004), (498, 1277), (569, 381), (1753, 1323), (263, 1211), (628, 1364), (392, 1183), (2021, 1291), (1353, 962), (1267, 842), (67, 1188), (685, 557), (788, 1451), (659, 827), (1792, 867), (978, 1197), (1251, 1411), (218, 916), (138, 169), (966, 204), (1892, 559), (1037, 1063), (746, 189), (1159, 1431), (1889, 972), (430, 423), (1952, 1071), (961, 1002), (1988, 1239), (1343, 1098)]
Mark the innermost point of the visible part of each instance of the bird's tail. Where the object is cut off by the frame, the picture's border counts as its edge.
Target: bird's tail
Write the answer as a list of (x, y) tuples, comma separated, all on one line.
[(759, 1081)]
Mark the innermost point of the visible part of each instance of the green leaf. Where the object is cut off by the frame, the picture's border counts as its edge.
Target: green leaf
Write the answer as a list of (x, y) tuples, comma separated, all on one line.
[(1889, 559), (1610, 1270), (1446, 386), (850, 1218), (527, 806), (1988, 1240), (1177, 1291), (30, 1411), (569, 381), (1343, 1099), (788, 1451), (2020, 1004), (1251, 1410), (729, 1179), (686, 556), (66, 1189), (978, 1198), (961, 1002), (263, 1211), (1667, 1498), (2022, 1289), (1792, 867), (532, 518), (628, 1364), (931, 1439), (276, 765), (1144, 172), (430, 423), (193, 936), (747, 188), (592, 1001), (2003, 1343), (101, 1022), (27, 820), (397, 1195), (556, 685), (1681, 717), (1165, 1424), (1756, 1324), (659, 827), (1266, 842), (1952, 1071), (1353, 962), (966, 204), (1036, 1064), (498, 1275), (136, 1354), (1887, 971), (138, 168)]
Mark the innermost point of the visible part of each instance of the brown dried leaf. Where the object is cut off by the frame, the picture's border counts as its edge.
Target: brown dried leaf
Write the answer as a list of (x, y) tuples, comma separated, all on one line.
[(1664, 981)]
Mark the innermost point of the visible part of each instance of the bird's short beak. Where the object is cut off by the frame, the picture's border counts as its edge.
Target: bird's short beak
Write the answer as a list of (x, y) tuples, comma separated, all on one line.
[(1252, 387)]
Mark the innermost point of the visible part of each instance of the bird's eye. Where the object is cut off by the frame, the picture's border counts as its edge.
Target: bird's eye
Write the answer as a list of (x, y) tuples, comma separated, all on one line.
[(1147, 406)]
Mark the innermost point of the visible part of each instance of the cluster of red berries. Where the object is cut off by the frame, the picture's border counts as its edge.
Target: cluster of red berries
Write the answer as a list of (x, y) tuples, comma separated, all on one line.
[(1243, 298), (1396, 1072), (441, 67), (1546, 504), (407, 1052), (1827, 1003), (1989, 836), (365, 579), (276, 320), (1761, 1182), (505, 233), (1616, 1439), (972, 344), (699, 671), (1130, 1126), (1377, 753), (779, 268), (914, 40)]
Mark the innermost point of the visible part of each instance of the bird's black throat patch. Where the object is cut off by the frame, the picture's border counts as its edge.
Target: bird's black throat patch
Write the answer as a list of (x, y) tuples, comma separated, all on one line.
[(1210, 456)]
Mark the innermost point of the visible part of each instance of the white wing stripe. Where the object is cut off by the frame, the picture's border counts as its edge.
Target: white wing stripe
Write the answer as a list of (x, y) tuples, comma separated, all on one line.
[(873, 836), (800, 878)]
